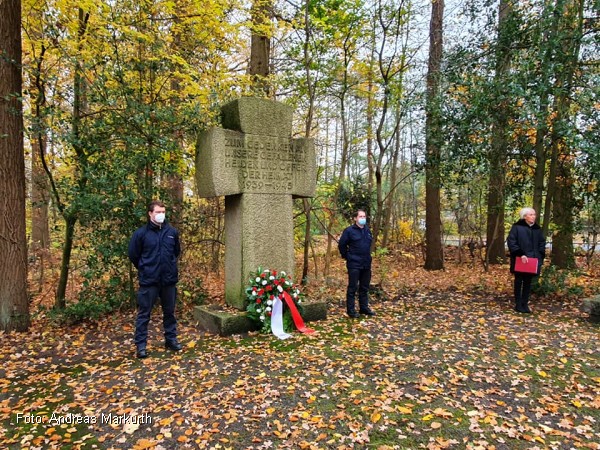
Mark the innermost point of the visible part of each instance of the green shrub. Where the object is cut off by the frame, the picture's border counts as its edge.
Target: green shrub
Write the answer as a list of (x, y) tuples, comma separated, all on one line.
[(554, 281), (194, 292)]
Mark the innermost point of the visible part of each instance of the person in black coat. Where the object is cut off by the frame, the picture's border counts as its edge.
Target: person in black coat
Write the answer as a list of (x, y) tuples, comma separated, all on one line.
[(525, 240), (153, 250), (355, 247)]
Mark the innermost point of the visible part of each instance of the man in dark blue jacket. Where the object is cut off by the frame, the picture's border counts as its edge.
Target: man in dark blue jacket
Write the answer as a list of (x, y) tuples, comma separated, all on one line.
[(355, 248), (153, 250)]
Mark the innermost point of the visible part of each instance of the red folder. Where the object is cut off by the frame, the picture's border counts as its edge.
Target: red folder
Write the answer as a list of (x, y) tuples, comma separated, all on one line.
[(531, 266)]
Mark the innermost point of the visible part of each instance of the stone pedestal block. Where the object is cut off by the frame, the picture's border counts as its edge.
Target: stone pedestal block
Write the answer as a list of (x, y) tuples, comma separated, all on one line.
[(592, 307), (226, 323)]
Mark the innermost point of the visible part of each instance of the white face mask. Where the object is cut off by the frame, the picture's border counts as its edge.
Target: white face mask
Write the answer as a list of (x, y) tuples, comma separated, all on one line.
[(159, 218)]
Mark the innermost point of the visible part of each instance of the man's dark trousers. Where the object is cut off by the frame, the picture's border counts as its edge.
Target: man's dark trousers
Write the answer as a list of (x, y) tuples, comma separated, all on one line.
[(358, 279), (145, 298)]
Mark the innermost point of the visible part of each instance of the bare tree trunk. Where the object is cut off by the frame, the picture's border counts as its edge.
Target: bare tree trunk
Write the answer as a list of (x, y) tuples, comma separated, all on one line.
[(341, 177), (260, 45), (434, 258), (61, 290), (499, 145), (413, 188), (564, 201), (174, 179), (40, 192), (311, 88), (391, 64), (307, 239), (551, 189), (175, 187), (540, 162), (14, 304), (389, 201), (554, 14), (371, 116), (343, 163), (345, 138), (218, 214), (40, 234), (40, 188), (563, 255), (71, 217)]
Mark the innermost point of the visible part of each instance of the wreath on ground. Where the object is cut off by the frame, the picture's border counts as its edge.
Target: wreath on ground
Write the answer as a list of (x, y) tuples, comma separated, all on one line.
[(264, 286)]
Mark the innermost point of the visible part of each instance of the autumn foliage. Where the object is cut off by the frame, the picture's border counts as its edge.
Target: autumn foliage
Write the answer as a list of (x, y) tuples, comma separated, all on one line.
[(446, 363)]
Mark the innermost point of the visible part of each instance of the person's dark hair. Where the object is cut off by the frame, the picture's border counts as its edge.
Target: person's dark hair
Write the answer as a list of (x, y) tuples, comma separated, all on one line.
[(359, 211), (154, 203)]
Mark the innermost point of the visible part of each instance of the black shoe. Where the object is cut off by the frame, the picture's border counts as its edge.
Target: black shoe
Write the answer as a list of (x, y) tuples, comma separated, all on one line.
[(141, 353), (353, 315), (174, 345), (367, 312)]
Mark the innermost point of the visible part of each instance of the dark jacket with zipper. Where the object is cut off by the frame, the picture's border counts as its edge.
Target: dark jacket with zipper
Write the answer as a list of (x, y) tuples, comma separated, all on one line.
[(153, 250), (355, 247), (526, 240)]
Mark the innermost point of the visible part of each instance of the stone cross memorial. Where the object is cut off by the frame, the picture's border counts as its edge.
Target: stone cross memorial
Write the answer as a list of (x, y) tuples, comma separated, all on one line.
[(256, 164)]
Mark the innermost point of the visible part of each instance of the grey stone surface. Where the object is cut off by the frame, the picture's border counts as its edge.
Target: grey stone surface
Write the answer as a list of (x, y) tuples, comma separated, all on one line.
[(313, 311), (258, 233), (252, 115), (259, 169), (226, 323), (592, 306), (229, 162), (223, 323)]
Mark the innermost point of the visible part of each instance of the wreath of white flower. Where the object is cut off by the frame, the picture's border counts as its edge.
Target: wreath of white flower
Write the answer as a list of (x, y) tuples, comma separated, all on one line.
[(264, 286)]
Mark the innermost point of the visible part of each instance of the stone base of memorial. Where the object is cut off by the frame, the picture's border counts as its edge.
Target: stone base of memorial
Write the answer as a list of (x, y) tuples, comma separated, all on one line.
[(592, 307), (226, 322)]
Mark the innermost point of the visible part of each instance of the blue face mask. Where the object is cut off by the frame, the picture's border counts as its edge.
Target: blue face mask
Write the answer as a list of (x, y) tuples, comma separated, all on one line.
[(362, 221)]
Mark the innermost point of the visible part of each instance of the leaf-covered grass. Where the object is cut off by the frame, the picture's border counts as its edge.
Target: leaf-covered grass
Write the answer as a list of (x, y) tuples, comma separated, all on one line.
[(435, 370)]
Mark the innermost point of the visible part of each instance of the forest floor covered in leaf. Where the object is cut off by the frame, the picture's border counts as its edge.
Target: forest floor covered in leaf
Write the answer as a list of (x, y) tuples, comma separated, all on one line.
[(445, 363)]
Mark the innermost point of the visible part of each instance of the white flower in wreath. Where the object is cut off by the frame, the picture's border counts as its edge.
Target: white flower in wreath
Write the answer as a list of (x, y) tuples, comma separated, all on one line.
[(257, 279), (258, 310), (287, 283), (295, 295), (253, 293), (264, 282), (271, 278), (282, 273), (268, 309), (262, 318), (279, 288), (269, 302)]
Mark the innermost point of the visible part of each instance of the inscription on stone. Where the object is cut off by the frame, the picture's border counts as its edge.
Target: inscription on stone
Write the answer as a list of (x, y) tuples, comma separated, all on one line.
[(265, 163)]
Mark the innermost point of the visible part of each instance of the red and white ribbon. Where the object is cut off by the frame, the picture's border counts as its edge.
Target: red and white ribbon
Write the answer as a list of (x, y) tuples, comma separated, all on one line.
[(277, 317), (277, 320)]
